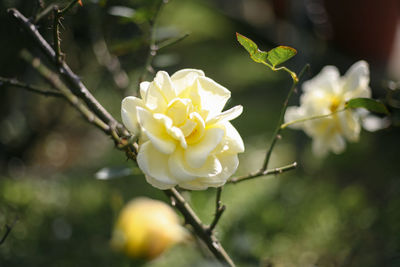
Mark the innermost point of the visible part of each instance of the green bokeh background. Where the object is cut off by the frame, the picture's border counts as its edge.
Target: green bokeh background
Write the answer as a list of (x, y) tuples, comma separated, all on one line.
[(343, 210)]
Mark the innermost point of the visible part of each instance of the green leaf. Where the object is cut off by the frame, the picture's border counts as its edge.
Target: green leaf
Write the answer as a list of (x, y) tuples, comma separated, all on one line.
[(280, 54), (256, 54), (248, 44), (369, 104)]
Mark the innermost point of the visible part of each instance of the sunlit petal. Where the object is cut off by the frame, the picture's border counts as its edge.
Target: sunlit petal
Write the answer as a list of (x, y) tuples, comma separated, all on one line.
[(197, 154)]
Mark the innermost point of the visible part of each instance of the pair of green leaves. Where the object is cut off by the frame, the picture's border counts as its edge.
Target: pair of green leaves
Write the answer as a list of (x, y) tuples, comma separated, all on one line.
[(281, 54), (273, 57)]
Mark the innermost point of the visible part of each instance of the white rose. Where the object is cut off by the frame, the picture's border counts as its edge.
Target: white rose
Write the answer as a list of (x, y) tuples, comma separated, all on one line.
[(185, 138), (326, 93)]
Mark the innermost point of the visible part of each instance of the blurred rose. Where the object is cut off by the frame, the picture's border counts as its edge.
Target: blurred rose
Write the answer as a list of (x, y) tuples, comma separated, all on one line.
[(185, 138), (327, 93), (146, 228)]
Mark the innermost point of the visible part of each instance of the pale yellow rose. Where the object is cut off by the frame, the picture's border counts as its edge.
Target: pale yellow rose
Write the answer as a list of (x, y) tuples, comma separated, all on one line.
[(185, 138), (327, 93), (145, 228)]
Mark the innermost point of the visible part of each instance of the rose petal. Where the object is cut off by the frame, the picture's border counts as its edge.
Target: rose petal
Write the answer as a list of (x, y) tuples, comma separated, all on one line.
[(156, 131), (227, 115), (292, 114), (337, 144), (373, 123), (129, 113), (228, 161), (197, 184), (157, 184), (155, 165), (350, 125), (183, 172), (164, 82), (197, 154), (327, 80), (185, 78), (155, 99), (232, 139), (213, 96), (144, 86), (356, 80)]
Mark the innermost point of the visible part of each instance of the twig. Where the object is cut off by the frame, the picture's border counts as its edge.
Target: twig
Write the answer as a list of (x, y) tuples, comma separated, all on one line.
[(152, 42), (40, 3), (57, 13), (262, 173), (171, 41), (8, 230), (44, 13), (278, 129), (28, 87), (316, 117), (55, 81), (77, 87), (219, 210), (198, 227), (110, 62), (56, 34), (68, 7)]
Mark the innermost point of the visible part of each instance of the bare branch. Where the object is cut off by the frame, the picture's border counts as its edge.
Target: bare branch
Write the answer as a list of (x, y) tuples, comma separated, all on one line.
[(8, 230), (44, 13), (55, 81), (198, 227), (152, 42), (77, 87), (56, 34), (28, 87), (171, 41), (263, 173), (278, 129), (219, 210)]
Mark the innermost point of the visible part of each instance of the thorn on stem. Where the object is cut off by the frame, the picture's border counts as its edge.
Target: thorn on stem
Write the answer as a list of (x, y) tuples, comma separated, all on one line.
[(173, 202)]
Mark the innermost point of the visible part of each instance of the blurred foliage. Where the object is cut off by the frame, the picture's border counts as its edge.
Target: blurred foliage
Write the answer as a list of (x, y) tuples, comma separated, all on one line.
[(338, 211)]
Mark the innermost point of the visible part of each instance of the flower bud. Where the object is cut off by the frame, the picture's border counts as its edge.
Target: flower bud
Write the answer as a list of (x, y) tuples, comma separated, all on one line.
[(146, 228)]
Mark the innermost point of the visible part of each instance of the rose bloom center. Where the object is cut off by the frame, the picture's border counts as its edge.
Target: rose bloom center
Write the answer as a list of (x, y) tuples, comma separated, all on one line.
[(185, 117)]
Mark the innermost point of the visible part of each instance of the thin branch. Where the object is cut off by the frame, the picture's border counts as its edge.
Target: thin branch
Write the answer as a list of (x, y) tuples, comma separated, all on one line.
[(273, 68), (44, 13), (219, 210), (316, 117), (28, 87), (110, 62), (198, 227), (57, 13), (56, 34), (152, 42), (278, 129), (8, 230), (68, 7), (262, 172), (171, 41), (55, 81), (77, 87)]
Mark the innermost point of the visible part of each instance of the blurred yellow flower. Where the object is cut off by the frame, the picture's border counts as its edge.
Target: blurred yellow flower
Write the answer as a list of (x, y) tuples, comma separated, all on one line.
[(185, 138), (325, 94), (146, 228)]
